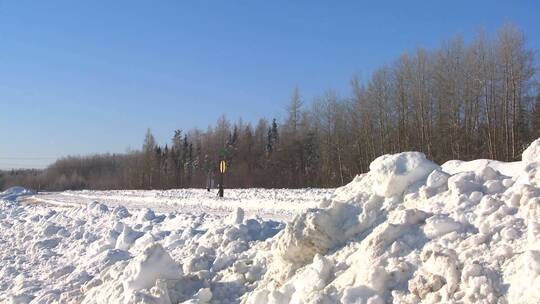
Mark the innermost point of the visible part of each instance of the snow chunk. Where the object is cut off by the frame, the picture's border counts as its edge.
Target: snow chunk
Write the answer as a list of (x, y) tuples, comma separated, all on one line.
[(361, 295), (439, 225), (532, 153), (144, 270), (13, 193), (236, 217), (97, 207), (525, 284), (128, 236), (437, 178), (318, 230), (51, 230), (121, 212), (464, 182), (46, 244), (493, 186), (107, 258), (531, 174), (149, 277), (204, 295), (146, 215), (393, 173)]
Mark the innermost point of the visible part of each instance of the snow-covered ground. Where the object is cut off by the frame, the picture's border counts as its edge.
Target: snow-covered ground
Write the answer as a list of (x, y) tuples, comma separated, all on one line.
[(279, 204), (409, 231)]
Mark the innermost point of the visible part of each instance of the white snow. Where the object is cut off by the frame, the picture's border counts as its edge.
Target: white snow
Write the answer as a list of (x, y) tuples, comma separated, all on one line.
[(280, 204), (394, 173), (408, 231), (532, 153), (14, 193)]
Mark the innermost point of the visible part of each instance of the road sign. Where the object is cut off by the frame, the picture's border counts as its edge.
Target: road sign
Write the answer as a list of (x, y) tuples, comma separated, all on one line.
[(222, 169), (222, 166)]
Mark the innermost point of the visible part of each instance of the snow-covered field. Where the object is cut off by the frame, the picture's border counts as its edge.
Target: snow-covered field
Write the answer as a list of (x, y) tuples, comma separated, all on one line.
[(409, 231), (279, 204)]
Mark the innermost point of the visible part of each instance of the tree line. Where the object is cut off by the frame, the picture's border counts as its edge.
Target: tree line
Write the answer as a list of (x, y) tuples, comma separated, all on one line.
[(459, 101)]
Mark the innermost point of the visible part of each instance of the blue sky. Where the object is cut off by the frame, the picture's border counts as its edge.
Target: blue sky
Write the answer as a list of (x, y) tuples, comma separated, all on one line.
[(79, 77)]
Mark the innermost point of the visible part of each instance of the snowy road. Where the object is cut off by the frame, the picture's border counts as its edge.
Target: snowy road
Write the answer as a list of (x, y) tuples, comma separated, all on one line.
[(277, 204)]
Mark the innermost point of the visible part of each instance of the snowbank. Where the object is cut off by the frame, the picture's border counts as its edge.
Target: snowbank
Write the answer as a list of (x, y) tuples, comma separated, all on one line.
[(95, 254), (408, 231)]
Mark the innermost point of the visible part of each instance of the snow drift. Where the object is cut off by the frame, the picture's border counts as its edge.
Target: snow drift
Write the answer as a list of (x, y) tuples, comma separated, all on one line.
[(13, 193), (408, 231)]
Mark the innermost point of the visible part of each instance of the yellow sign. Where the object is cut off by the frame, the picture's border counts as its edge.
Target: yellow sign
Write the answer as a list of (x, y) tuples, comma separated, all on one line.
[(222, 166)]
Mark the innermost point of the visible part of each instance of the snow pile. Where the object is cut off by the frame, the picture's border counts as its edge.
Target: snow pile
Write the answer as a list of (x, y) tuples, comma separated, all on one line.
[(11, 194), (392, 174), (96, 254), (531, 160), (145, 278), (206, 263), (532, 153), (408, 231)]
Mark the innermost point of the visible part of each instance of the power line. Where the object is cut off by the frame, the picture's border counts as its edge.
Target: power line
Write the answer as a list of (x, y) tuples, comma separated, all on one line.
[(28, 158)]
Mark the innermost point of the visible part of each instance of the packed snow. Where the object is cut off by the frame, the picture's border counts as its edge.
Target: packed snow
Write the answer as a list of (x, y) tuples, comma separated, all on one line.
[(408, 231), (281, 204)]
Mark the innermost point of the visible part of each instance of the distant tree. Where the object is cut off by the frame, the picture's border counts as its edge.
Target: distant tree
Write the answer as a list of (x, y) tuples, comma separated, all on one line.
[(458, 101), (149, 142), (535, 118), (149, 159), (2, 180), (272, 137), (294, 111)]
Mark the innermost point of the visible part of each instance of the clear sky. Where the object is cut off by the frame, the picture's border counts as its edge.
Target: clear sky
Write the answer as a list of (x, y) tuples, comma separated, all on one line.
[(79, 77)]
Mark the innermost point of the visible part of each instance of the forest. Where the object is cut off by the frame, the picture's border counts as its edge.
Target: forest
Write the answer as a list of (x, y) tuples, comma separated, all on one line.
[(465, 101)]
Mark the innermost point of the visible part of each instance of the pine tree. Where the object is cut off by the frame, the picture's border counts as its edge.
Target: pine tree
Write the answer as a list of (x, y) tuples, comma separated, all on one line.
[(177, 140), (269, 144), (274, 132), (272, 137)]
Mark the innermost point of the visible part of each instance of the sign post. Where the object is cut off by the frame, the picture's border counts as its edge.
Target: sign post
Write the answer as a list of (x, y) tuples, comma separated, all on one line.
[(222, 169)]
